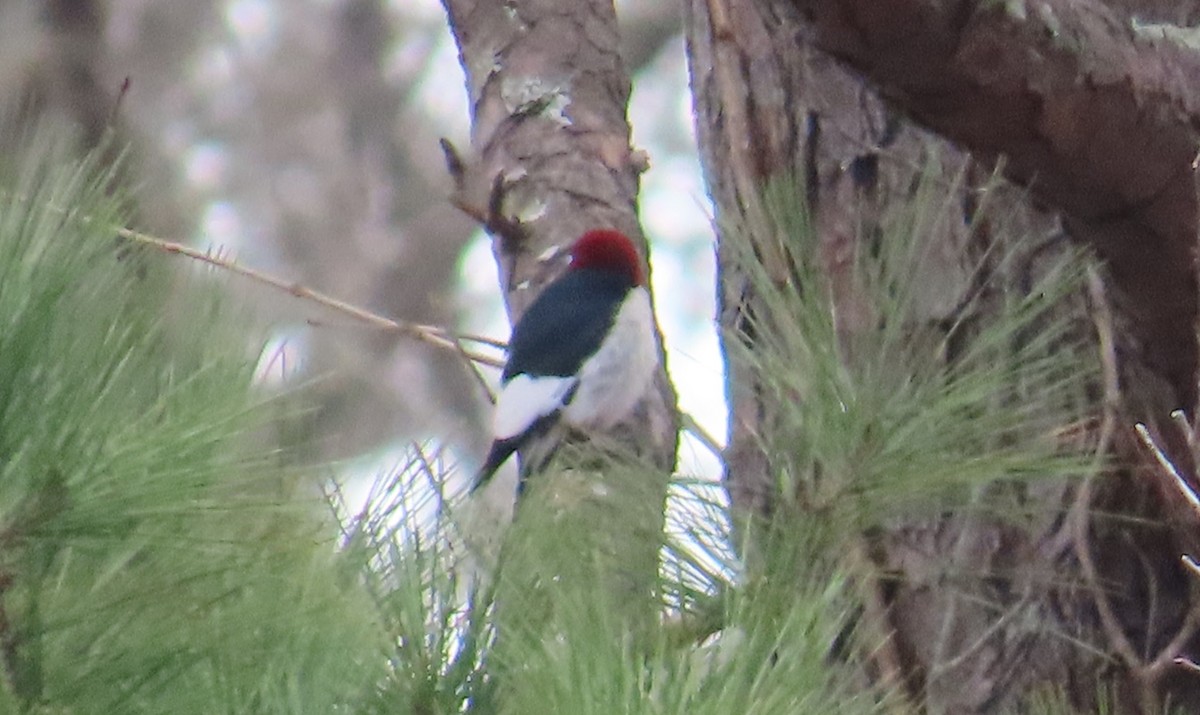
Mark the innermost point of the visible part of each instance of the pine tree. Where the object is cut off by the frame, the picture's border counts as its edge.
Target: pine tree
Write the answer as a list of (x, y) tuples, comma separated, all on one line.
[(161, 556)]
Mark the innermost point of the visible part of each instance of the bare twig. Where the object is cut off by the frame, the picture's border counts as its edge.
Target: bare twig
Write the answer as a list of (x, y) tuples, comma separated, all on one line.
[(428, 334), (1178, 482), (454, 163), (1191, 563), (480, 380), (492, 218), (464, 337), (1080, 516), (1108, 619), (1170, 654), (1102, 317)]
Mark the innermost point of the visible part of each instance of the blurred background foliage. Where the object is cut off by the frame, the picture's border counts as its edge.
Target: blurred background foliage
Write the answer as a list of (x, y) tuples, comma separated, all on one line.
[(301, 138)]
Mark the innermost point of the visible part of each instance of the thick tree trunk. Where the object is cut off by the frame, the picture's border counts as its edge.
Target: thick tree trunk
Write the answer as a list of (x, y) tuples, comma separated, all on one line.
[(1095, 119), (1096, 115), (551, 156)]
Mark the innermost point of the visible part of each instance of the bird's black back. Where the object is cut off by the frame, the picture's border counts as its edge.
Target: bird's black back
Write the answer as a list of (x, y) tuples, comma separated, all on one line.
[(565, 324)]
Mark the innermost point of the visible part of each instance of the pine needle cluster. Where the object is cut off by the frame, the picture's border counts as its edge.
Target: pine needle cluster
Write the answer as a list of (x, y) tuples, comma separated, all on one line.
[(155, 556), (882, 409)]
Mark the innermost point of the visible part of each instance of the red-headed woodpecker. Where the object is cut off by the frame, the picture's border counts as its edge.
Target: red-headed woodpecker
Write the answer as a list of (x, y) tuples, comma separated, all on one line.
[(584, 353)]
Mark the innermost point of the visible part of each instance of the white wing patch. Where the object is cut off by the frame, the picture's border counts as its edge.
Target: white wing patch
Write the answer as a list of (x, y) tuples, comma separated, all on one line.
[(526, 399), (617, 376)]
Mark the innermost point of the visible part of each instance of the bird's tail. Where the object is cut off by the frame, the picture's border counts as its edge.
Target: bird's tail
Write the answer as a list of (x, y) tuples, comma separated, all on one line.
[(537, 445), (501, 450)]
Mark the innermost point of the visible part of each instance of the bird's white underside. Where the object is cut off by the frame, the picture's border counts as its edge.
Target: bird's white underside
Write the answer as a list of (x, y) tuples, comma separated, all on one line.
[(524, 400), (613, 380), (610, 382)]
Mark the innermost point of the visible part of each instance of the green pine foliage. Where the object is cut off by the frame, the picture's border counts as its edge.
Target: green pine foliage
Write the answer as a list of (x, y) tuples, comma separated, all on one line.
[(878, 425), (437, 615), (155, 556), (159, 554), (890, 413), (882, 415), (887, 423)]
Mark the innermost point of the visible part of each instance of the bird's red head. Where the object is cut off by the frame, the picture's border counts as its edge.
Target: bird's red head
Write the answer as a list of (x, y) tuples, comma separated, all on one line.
[(608, 250)]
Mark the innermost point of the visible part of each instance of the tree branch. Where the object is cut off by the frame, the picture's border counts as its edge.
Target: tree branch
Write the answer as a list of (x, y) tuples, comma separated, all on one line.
[(428, 334)]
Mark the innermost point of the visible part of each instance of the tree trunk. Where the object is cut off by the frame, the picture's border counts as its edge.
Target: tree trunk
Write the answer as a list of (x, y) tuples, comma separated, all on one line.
[(1096, 120), (551, 156), (1095, 117), (552, 159)]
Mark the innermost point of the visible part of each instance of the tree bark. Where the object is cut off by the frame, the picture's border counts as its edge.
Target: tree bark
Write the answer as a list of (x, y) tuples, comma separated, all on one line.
[(1096, 119), (1096, 116), (551, 158), (551, 155)]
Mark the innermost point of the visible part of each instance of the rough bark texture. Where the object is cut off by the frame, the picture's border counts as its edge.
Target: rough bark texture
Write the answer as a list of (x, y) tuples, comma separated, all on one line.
[(1097, 119), (551, 155)]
